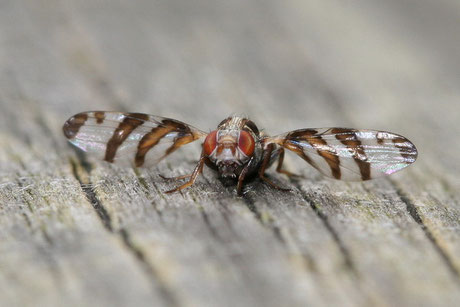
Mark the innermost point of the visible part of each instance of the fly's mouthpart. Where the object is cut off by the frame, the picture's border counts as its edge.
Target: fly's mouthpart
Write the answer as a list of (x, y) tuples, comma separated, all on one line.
[(228, 168)]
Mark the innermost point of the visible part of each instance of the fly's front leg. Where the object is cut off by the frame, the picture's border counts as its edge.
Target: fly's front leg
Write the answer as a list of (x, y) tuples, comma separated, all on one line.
[(198, 169), (175, 178), (280, 164), (239, 187), (265, 162)]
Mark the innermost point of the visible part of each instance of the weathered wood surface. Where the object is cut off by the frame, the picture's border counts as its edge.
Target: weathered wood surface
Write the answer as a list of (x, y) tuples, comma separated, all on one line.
[(76, 232)]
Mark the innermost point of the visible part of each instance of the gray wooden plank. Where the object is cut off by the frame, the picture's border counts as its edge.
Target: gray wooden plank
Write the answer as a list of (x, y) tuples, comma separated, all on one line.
[(98, 234)]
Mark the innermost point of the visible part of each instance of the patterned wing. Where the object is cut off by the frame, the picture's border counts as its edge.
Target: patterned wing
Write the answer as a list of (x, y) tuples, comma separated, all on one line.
[(350, 154), (128, 138)]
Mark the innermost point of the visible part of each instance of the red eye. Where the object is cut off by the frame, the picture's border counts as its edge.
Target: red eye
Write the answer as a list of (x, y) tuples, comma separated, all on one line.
[(246, 143), (210, 143)]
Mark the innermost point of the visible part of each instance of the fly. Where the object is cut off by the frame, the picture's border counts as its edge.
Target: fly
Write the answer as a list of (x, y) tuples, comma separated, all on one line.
[(237, 149)]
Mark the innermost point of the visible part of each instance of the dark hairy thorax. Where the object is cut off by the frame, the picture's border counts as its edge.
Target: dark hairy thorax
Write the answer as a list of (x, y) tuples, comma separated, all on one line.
[(239, 123)]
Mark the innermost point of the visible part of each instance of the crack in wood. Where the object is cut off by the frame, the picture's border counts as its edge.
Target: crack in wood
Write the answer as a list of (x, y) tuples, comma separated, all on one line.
[(250, 204), (147, 191), (27, 191), (43, 250), (166, 294), (208, 224), (141, 179), (348, 262), (87, 189), (412, 210), (27, 219), (106, 220)]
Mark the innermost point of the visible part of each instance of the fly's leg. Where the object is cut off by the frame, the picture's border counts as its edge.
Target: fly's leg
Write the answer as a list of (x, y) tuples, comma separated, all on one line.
[(266, 159), (198, 169), (239, 187), (280, 164), (176, 178)]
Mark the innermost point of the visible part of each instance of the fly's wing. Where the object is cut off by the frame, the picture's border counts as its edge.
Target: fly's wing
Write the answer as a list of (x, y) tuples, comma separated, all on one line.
[(349, 154), (128, 138)]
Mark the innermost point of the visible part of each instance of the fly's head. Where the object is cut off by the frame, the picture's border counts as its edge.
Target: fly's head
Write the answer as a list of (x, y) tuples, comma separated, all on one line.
[(230, 147), (229, 150)]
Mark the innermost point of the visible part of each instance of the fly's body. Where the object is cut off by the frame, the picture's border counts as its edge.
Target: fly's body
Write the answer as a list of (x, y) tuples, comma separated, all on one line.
[(237, 149)]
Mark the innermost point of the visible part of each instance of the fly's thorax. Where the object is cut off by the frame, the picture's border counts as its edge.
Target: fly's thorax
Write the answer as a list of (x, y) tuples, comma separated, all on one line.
[(239, 123)]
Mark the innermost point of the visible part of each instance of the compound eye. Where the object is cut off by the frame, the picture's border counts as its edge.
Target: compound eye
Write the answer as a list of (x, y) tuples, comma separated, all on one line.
[(246, 143), (210, 143)]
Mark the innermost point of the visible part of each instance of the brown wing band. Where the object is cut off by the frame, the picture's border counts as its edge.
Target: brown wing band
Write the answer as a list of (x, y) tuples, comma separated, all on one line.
[(316, 141), (149, 141), (406, 149), (73, 125), (331, 158), (131, 122), (179, 142), (348, 138), (290, 143), (298, 150), (100, 117)]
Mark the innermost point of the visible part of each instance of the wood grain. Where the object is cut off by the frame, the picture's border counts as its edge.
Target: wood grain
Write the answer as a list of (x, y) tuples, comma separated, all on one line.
[(79, 232)]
